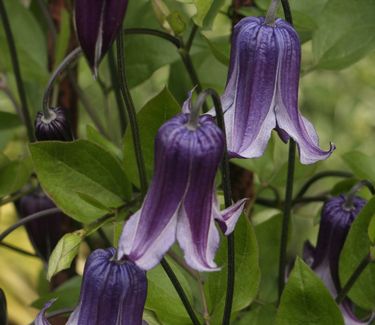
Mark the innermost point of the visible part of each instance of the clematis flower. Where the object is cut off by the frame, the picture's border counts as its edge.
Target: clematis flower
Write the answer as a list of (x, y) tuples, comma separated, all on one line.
[(56, 127), (335, 223), (97, 24), (181, 201), (44, 233), (112, 292), (262, 91)]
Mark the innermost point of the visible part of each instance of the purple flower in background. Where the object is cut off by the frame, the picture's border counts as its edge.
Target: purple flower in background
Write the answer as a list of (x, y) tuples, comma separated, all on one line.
[(56, 127), (112, 292), (335, 223), (262, 91), (97, 24), (45, 232), (181, 201)]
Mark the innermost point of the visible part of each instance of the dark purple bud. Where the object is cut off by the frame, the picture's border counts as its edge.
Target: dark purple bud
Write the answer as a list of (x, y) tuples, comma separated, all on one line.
[(97, 24), (181, 201), (262, 91), (3, 308), (45, 232), (55, 127)]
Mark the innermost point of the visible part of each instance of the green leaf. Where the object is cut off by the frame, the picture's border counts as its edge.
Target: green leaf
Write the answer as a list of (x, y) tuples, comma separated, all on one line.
[(206, 11), (361, 164), (9, 121), (356, 247), (371, 230), (163, 299), (247, 272), (13, 174), (306, 300), (157, 111), (67, 295), (74, 171), (350, 37), (93, 135), (260, 315), (177, 22), (220, 47), (63, 254)]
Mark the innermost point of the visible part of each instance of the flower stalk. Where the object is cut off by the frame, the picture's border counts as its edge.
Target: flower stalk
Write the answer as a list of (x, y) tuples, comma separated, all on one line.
[(17, 72)]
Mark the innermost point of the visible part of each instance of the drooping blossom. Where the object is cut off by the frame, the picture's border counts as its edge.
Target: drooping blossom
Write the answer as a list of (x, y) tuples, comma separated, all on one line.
[(56, 127), (97, 24), (336, 219), (112, 292), (181, 202), (262, 91)]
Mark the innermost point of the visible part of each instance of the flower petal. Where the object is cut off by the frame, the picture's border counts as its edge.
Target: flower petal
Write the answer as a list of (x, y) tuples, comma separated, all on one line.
[(288, 117), (41, 318), (228, 218)]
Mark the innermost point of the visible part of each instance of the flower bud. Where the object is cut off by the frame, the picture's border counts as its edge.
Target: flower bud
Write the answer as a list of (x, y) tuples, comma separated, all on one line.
[(55, 127)]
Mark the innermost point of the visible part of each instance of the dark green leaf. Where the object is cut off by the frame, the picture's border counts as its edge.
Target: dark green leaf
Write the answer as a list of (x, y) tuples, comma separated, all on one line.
[(247, 272), (306, 300), (356, 247), (157, 111), (260, 315), (69, 171), (9, 121)]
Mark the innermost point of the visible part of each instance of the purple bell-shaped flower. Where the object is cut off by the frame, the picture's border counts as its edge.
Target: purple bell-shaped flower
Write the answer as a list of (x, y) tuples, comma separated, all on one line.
[(181, 201), (112, 292), (262, 91)]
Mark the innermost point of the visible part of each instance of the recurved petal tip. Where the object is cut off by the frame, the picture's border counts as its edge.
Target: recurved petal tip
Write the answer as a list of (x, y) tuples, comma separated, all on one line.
[(41, 318)]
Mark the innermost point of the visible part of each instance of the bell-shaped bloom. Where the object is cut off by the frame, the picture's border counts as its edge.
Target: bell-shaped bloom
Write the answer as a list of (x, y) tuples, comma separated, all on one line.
[(112, 292), (56, 127), (336, 219), (262, 91), (181, 201), (97, 23), (45, 232)]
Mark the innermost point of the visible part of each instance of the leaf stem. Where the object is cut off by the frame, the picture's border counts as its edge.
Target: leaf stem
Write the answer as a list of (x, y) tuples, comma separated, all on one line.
[(353, 278), (131, 113), (180, 291), (17, 72), (287, 214), (28, 219)]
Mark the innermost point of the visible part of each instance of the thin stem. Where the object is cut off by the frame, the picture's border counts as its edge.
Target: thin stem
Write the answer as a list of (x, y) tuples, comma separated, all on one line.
[(154, 32), (271, 13), (131, 113), (287, 12), (227, 194), (287, 214), (352, 193), (353, 278), (116, 87), (305, 187), (17, 72), (190, 40), (51, 26), (180, 291), (71, 57), (188, 63), (18, 250), (15, 196), (28, 219), (206, 314), (181, 262)]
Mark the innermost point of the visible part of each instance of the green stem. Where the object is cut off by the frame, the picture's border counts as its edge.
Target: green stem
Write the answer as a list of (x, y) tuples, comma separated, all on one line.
[(154, 32), (28, 219), (116, 88), (287, 214), (305, 187), (353, 191), (131, 113), (227, 194), (353, 278), (17, 72), (287, 11), (180, 291)]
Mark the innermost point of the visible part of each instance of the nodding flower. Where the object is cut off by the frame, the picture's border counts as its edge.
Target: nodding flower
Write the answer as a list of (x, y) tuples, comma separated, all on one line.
[(181, 202)]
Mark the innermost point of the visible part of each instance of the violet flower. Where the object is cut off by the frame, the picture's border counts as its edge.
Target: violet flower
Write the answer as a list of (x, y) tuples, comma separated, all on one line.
[(56, 127), (97, 24), (262, 91), (181, 201), (335, 223), (44, 233), (112, 292)]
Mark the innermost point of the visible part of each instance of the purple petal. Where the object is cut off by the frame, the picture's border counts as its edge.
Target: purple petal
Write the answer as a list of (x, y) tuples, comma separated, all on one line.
[(289, 120), (112, 292), (151, 231), (41, 318), (228, 218), (97, 24), (248, 97), (186, 106), (196, 231), (350, 318)]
